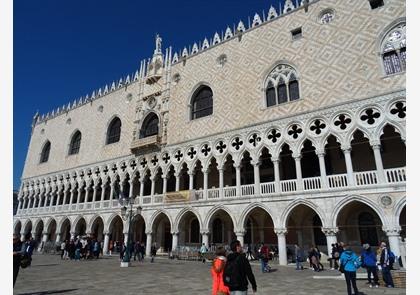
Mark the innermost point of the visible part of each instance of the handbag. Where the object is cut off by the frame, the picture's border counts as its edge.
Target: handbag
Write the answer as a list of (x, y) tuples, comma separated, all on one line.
[(25, 261)]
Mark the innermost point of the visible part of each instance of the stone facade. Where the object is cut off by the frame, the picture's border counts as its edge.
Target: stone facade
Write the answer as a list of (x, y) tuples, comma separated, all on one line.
[(343, 89)]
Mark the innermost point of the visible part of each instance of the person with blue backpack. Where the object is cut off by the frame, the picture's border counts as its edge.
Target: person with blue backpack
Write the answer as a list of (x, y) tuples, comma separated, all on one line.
[(386, 261), (368, 258), (350, 262)]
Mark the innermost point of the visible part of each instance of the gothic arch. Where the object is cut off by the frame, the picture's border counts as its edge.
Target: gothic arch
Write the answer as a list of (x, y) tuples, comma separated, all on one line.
[(146, 117), (108, 125), (92, 221), (75, 222), (110, 220), (385, 31), (15, 225), (213, 210), (36, 222), (241, 222), (361, 199), (49, 222), (155, 215), (399, 206), (182, 213), (286, 212), (350, 135), (61, 222), (397, 127)]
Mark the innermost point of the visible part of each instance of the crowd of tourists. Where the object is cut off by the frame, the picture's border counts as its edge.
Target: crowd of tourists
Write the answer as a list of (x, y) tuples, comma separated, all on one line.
[(81, 248)]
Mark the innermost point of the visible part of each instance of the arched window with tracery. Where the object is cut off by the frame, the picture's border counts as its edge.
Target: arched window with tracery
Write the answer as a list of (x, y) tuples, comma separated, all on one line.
[(202, 103), (150, 126), (75, 143), (393, 50), (114, 131), (45, 154), (281, 85)]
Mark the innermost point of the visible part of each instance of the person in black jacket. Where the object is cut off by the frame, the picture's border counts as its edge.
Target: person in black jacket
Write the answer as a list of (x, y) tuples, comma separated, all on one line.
[(243, 269), (17, 255)]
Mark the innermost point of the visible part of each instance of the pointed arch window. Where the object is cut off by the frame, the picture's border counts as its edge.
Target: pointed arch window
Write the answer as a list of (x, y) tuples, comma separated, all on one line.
[(75, 143), (202, 103), (45, 154), (393, 50), (150, 126), (282, 85), (114, 131)]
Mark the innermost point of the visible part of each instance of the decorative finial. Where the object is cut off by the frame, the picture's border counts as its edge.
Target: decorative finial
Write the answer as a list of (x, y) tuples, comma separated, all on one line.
[(158, 43)]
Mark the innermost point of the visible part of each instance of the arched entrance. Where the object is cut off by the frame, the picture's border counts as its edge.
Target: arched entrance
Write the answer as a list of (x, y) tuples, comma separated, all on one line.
[(80, 228), (116, 232), (259, 228), (162, 232), (17, 229), (65, 230), (358, 224), (189, 230), (139, 229), (304, 228), (402, 222), (38, 232), (221, 228), (27, 230), (97, 229), (51, 230)]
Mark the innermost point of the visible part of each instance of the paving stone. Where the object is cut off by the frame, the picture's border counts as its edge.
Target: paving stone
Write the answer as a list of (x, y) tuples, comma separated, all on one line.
[(48, 274)]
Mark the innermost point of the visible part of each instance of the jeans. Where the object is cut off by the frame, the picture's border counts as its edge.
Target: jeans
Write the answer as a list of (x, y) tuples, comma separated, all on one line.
[(238, 292), (372, 270), (351, 279), (263, 265), (386, 275), (298, 263)]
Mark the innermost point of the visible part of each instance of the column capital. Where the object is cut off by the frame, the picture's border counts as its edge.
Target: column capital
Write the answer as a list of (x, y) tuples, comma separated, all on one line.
[(346, 148), (106, 232), (149, 232), (255, 163), (330, 231), (320, 152), (280, 231), (205, 170), (175, 232), (220, 169), (275, 159), (375, 144), (204, 232), (296, 156), (240, 233), (191, 173), (237, 165), (392, 231)]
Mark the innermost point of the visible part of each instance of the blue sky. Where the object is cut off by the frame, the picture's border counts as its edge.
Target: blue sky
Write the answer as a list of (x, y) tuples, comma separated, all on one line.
[(66, 49)]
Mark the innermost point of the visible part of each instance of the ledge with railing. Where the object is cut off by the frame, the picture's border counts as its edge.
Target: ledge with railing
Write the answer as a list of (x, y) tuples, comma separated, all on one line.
[(332, 182)]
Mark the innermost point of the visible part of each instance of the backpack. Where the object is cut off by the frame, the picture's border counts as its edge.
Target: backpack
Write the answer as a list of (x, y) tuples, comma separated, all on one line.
[(231, 274)]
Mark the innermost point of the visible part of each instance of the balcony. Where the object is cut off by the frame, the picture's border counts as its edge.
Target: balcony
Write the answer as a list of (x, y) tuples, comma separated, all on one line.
[(365, 179), (146, 142)]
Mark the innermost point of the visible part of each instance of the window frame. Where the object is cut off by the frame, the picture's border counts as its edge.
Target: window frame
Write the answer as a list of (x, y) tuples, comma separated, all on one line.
[(111, 128), (198, 90), (43, 151), (72, 149), (147, 121)]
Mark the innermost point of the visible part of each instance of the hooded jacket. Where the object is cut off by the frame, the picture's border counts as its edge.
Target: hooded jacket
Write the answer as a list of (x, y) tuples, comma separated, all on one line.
[(245, 272), (369, 257), (350, 261), (217, 274)]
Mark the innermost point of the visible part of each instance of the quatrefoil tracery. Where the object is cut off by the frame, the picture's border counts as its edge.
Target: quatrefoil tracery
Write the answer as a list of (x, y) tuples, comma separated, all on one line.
[(237, 143), (273, 135), (221, 146), (294, 131), (317, 126), (191, 153), (370, 115), (255, 139), (342, 121), (399, 110), (205, 150)]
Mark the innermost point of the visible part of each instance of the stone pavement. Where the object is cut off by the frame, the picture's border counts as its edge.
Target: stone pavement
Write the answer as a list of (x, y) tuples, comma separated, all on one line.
[(50, 275)]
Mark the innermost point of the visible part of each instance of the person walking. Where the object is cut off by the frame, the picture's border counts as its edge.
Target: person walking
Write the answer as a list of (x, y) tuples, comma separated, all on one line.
[(386, 265), (318, 256), (63, 249), (203, 251), (153, 252), (137, 251), (335, 256), (123, 248), (350, 263), (264, 254), (368, 258), (298, 257), (142, 250), (249, 252), (238, 271), (217, 270), (17, 255)]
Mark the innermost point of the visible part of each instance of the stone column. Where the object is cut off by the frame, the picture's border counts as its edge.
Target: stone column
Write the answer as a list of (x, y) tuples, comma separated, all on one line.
[(221, 182), (174, 240), (58, 237), (238, 178), (205, 238), (191, 181), (126, 239), (111, 193), (165, 184), (103, 189), (152, 190), (205, 182), (393, 238), (148, 243), (276, 174), (141, 186), (79, 193), (130, 191), (44, 240), (177, 181), (106, 243), (22, 236), (71, 196), (331, 235), (72, 235), (94, 193), (349, 165), (321, 159), (46, 199), (257, 186), (34, 203), (86, 194), (240, 236), (299, 181), (379, 166), (281, 240)]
